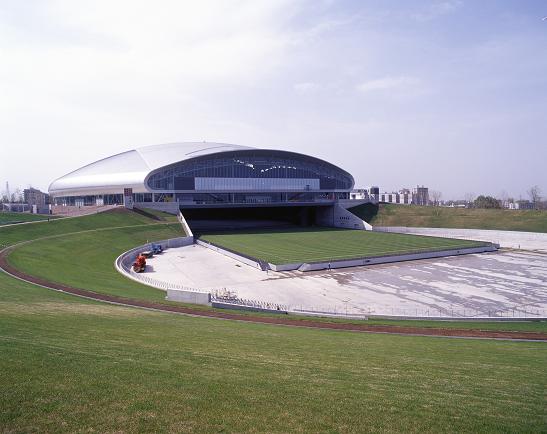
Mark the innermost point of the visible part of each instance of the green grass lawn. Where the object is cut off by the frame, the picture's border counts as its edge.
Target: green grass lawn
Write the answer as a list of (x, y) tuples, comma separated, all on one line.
[(86, 260), (72, 365), (80, 252), (163, 216), (438, 217), (69, 364), (325, 244), (116, 218), (7, 218)]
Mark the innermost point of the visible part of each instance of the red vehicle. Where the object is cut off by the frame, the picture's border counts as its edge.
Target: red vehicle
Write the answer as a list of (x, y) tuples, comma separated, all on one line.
[(140, 263)]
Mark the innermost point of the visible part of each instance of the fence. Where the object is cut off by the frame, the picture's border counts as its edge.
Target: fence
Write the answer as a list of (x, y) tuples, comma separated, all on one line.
[(224, 296), (163, 285), (450, 312)]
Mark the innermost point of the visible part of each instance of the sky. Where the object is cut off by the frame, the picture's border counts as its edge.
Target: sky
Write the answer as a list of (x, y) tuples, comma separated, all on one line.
[(449, 94)]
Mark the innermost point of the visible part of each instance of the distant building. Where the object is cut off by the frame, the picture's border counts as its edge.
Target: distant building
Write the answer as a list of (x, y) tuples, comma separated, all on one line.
[(37, 200), (403, 197), (523, 204), (516, 204), (33, 196), (420, 196), (374, 193), (371, 194), (359, 193)]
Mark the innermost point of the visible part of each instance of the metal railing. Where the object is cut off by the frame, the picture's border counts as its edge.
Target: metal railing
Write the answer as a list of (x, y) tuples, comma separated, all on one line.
[(455, 312)]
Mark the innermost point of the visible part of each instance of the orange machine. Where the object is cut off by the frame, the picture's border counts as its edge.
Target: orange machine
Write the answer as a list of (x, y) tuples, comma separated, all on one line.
[(140, 263)]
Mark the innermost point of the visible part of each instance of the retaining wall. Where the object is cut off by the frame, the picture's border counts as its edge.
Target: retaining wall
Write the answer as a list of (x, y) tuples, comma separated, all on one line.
[(339, 217), (394, 258), (284, 267), (188, 295), (185, 296), (357, 262), (249, 261), (168, 207), (124, 261)]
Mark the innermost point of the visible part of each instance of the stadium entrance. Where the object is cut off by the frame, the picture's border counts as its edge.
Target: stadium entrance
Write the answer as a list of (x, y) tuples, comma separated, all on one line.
[(234, 218)]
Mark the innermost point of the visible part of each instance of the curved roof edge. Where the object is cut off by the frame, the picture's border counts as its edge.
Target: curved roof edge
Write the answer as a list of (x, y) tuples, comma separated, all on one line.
[(130, 169)]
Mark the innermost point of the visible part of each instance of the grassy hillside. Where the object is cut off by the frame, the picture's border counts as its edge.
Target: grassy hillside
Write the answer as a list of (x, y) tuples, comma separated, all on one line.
[(7, 218), (437, 217), (80, 252), (115, 218), (72, 365)]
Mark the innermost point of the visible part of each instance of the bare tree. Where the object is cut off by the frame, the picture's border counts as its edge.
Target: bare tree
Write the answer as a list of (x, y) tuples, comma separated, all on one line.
[(435, 196), (503, 196), (16, 196), (469, 198), (535, 195)]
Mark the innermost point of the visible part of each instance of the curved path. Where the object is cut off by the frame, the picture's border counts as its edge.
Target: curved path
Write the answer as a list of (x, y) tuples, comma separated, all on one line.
[(279, 320)]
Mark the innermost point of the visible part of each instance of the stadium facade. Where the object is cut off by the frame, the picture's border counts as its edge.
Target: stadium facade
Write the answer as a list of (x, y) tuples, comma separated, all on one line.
[(200, 175)]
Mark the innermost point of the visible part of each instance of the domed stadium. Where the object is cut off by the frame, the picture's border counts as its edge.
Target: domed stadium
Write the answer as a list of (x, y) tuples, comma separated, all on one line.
[(213, 180)]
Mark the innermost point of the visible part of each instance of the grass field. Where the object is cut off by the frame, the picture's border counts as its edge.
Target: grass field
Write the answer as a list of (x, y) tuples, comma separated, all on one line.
[(69, 364), (80, 252), (72, 365), (7, 218), (437, 217), (317, 244)]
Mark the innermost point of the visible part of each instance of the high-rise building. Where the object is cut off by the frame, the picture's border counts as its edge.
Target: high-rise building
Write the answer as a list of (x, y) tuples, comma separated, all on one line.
[(33, 196), (420, 196)]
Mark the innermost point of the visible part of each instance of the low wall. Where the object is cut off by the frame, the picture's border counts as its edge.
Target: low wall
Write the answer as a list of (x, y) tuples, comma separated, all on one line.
[(77, 211), (394, 258), (168, 207), (223, 305), (359, 262), (249, 261), (186, 296), (125, 260), (284, 267)]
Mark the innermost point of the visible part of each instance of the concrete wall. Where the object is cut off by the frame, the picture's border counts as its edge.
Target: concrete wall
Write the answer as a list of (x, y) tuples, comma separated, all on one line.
[(252, 262), (393, 258), (350, 203), (185, 225), (168, 207), (338, 217), (188, 296), (285, 267), (125, 260)]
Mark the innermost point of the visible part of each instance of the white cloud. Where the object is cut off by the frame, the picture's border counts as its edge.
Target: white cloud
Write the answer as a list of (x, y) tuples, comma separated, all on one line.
[(306, 87), (388, 83), (437, 10)]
